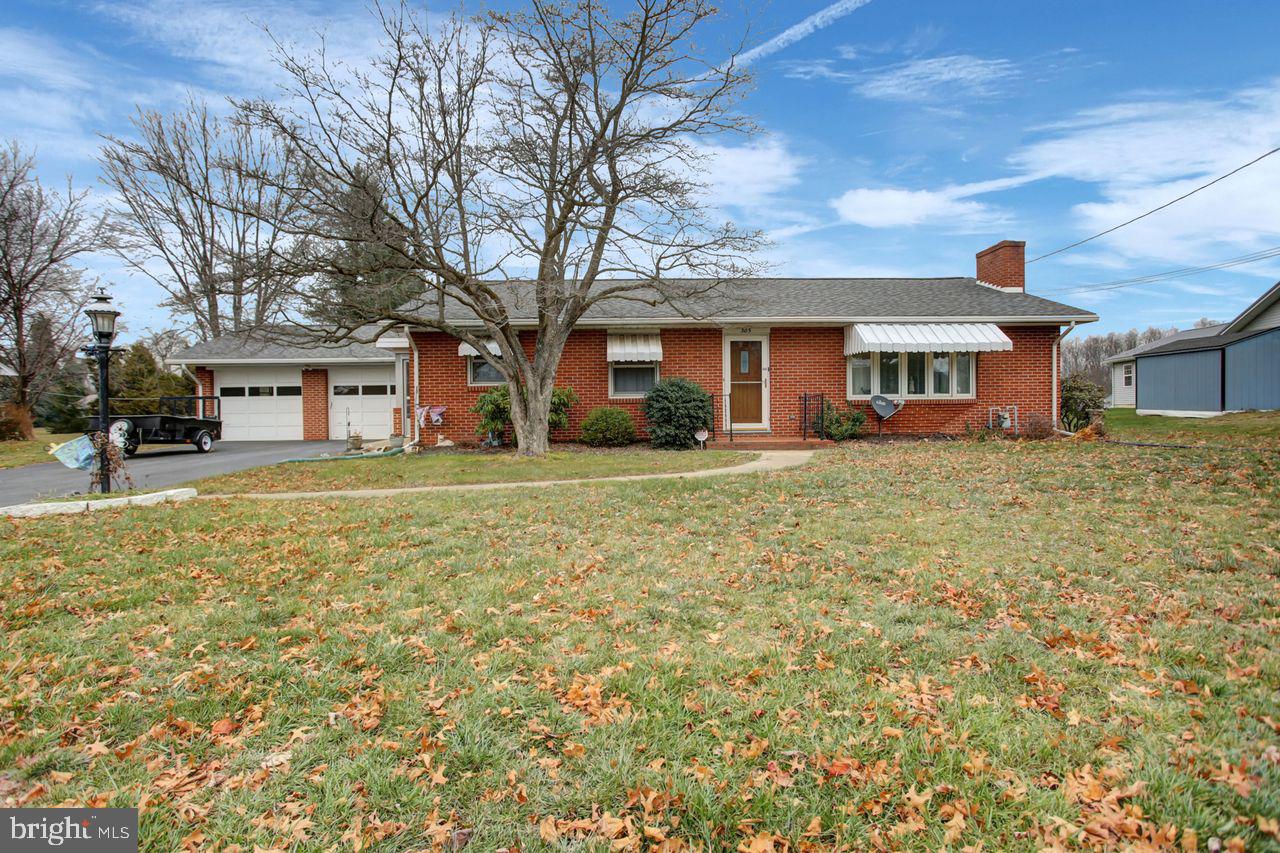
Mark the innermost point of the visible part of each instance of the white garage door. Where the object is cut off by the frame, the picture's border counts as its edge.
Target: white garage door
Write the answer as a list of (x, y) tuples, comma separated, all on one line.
[(260, 403), (361, 397)]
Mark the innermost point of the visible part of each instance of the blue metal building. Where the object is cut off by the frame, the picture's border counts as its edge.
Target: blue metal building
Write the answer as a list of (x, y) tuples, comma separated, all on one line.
[(1234, 369)]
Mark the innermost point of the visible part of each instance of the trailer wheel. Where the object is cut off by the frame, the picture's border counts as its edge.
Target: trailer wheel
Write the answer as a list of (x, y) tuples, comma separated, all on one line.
[(203, 442), (131, 448)]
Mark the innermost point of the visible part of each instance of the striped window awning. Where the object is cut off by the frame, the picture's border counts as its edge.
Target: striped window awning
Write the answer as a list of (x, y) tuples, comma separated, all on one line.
[(467, 349), (925, 337), (635, 347)]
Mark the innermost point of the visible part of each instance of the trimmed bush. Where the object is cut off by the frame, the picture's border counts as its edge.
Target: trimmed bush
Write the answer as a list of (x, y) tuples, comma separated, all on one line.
[(1080, 399), (674, 410), (838, 424), (606, 426)]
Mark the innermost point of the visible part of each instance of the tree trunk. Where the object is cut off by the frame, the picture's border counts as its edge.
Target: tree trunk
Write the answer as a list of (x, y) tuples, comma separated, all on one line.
[(530, 411)]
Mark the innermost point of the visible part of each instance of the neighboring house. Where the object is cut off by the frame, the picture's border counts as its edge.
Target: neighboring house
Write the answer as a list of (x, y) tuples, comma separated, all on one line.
[(1123, 366), (1231, 367), (7, 371), (950, 348)]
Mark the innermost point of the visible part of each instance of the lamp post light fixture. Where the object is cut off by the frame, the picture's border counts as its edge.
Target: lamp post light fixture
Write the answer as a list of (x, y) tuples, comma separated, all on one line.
[(102, 315)]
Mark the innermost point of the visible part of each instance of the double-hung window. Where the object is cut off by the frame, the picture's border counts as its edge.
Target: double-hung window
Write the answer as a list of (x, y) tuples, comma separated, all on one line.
[(1128, 376), (632, 379), (913, 375), (481, 372)]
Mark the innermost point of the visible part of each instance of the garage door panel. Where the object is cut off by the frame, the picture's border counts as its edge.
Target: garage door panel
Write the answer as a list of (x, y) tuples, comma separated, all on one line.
[(367, 413), (265, 417)]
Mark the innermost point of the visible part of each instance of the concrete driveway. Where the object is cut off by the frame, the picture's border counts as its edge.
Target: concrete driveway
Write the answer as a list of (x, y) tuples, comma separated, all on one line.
[(156, 468)]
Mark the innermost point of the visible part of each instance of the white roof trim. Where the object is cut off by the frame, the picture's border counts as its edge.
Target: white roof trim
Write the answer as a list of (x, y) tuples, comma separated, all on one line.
[(1248, 315), (925, 337), (391, 343), (465, 348), (723, 321), (634, 347), (215, 361)]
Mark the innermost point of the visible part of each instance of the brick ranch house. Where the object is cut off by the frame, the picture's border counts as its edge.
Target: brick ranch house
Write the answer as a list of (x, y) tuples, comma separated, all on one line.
[(950, 348)]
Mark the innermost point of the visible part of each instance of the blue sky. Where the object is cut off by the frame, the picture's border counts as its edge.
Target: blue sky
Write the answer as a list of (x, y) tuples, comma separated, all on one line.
[(897, 138)]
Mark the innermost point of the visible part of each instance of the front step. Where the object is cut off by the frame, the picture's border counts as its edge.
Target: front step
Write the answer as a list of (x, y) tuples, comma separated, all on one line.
[(767, 442)]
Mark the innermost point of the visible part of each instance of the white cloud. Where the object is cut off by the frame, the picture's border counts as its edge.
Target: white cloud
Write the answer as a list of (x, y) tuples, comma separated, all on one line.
[(896, 208), (810, 25), (749, 175), (1143, 153), (233, 41), (937, 78)]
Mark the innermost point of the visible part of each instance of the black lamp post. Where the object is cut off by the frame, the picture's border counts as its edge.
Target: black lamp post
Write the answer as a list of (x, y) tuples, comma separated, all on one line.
[(102, 315)]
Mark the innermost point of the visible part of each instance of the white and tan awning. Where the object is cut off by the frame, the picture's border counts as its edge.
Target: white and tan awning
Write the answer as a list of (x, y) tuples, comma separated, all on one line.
[(924, 337), (467, 349), (635, 347)]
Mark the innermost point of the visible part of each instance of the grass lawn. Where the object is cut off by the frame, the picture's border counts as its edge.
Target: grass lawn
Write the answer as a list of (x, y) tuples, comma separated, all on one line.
[(1017, 645), (455, 467), (1253, 429), (15, 454)]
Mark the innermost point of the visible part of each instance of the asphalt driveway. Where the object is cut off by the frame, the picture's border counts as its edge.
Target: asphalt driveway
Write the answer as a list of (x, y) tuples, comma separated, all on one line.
[(156, 469)]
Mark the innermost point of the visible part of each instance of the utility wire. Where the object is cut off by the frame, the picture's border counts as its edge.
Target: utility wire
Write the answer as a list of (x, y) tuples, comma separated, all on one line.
[(1156, 209), (1183, 272)]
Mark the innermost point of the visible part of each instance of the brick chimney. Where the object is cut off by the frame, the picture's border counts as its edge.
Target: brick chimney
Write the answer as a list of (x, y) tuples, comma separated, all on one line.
[(1004, 265)]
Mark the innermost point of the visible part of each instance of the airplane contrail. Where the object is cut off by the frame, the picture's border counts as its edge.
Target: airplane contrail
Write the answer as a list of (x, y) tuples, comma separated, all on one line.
[(810, 25)]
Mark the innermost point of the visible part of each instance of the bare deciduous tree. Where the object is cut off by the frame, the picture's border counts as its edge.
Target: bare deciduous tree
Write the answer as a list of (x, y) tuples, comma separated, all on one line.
[(41, 232), (550, 156), (185, 191)]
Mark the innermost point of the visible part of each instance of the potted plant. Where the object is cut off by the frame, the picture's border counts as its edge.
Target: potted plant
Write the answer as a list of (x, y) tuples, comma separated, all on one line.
[(355, 441)]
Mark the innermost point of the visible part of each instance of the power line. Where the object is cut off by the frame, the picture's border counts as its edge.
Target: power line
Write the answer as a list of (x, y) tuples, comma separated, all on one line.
[(1156, 209), (1182, 272)]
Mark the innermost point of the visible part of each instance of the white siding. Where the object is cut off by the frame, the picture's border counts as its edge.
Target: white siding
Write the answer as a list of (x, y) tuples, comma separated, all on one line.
[(1121, 396), (1268, 319)]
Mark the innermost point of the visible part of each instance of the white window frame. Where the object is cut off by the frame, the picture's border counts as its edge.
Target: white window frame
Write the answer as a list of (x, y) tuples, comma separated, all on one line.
[(471, 383), (1126, 372), (902, 379), (657, 377)]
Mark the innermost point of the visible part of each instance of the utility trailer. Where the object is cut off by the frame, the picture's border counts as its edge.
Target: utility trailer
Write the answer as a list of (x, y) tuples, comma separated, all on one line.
[(182, 420)]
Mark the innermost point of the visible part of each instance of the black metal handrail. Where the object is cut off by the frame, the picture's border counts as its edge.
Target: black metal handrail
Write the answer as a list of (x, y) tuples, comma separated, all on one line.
[(813, 415)]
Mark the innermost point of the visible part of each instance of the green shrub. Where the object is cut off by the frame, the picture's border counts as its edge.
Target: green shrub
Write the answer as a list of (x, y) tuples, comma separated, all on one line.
[(674, 410), (606, 426), (1080, 399), (494, 409), (838, 424)]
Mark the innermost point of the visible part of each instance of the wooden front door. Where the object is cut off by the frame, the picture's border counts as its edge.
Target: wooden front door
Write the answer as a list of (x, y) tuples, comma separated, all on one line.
[(746, 382)]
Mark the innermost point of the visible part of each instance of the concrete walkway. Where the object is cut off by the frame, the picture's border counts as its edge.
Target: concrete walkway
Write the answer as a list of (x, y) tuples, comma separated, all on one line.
[(769, 460)]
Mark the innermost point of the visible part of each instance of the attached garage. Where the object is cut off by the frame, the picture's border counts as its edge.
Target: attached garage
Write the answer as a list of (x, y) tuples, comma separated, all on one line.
[(360, 400), (273, 388), (260, 403)]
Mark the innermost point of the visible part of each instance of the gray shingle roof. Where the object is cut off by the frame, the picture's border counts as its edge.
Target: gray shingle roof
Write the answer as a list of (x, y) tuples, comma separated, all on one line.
[(815, 299), (277, 345), (1202, 342), (1185, 334)]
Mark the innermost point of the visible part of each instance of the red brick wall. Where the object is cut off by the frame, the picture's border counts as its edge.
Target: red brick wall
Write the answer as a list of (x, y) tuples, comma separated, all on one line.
[(205, 388), (802, 360), (315, 404), (1022, 377), (1004, 264), (397, 419)]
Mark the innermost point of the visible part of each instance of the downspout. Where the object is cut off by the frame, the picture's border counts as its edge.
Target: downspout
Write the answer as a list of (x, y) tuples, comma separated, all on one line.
[(414, 386), (1057, 356)]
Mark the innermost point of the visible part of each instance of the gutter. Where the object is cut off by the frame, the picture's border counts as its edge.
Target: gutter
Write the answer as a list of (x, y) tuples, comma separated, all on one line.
[(1057, 356)]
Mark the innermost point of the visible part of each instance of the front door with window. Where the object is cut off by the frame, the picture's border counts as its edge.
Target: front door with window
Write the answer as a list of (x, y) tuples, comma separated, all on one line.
[(747, 382)]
